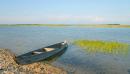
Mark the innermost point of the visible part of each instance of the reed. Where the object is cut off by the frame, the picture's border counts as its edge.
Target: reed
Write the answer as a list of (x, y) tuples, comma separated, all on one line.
[(94, 46)]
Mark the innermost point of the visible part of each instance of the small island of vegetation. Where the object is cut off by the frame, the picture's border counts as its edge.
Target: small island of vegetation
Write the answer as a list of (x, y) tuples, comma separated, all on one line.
[(107, 47)]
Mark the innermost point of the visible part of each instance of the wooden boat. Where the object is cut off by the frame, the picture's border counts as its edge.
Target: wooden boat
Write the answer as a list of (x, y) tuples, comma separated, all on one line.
[(42, 53)]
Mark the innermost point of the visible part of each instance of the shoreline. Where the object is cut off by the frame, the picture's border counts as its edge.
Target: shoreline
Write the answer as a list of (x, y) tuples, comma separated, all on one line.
[(9, 66), (65, 25)]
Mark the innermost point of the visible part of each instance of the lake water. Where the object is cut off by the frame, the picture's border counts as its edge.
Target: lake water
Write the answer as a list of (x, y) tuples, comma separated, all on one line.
[(75, 60)]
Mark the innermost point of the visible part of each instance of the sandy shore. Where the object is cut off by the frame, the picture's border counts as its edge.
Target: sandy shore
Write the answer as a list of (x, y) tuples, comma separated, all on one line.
[(9, 66)]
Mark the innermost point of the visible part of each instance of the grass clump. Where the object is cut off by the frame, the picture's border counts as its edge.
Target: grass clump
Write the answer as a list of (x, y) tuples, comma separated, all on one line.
[(93, 46)]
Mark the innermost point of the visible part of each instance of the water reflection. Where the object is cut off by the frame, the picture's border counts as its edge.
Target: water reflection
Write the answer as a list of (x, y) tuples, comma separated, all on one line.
[(55, 57)]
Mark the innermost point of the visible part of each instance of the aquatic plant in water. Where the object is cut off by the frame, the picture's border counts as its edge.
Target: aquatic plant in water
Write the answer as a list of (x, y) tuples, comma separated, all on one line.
[(107, 47)]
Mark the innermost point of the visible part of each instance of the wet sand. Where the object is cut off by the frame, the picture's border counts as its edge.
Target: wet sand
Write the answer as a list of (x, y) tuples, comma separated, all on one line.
[(9, 66)]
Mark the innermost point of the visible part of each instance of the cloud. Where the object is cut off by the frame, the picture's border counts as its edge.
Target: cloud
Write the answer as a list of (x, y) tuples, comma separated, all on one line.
[(98, 19), (65, 19), (76, 18)]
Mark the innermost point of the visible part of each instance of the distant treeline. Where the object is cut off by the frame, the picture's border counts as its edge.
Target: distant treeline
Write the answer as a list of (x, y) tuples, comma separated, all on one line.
[(113, 24)]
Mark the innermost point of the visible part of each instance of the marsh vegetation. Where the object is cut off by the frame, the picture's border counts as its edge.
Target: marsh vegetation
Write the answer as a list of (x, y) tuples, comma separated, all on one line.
[(107, 47)]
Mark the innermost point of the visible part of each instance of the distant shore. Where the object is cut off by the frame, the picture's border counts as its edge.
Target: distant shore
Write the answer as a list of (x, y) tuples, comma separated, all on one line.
[(9, 66), (106, 26), (69, 25)]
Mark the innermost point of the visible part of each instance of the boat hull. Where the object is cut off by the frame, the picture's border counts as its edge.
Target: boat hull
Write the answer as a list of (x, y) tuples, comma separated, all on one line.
[(29, 58)]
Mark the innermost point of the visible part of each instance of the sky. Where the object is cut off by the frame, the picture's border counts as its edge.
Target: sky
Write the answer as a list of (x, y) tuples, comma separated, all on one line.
[(65, 12)]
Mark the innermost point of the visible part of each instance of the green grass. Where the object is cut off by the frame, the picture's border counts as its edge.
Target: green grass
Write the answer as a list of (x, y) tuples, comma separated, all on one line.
[(94, 46)]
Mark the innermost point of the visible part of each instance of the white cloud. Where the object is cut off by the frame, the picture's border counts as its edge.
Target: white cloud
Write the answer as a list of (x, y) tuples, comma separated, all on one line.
[(75, 18), (99, 19), (69, 19)]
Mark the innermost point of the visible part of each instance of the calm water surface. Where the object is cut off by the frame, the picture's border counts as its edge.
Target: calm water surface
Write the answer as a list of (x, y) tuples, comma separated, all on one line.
[(75, 60)]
